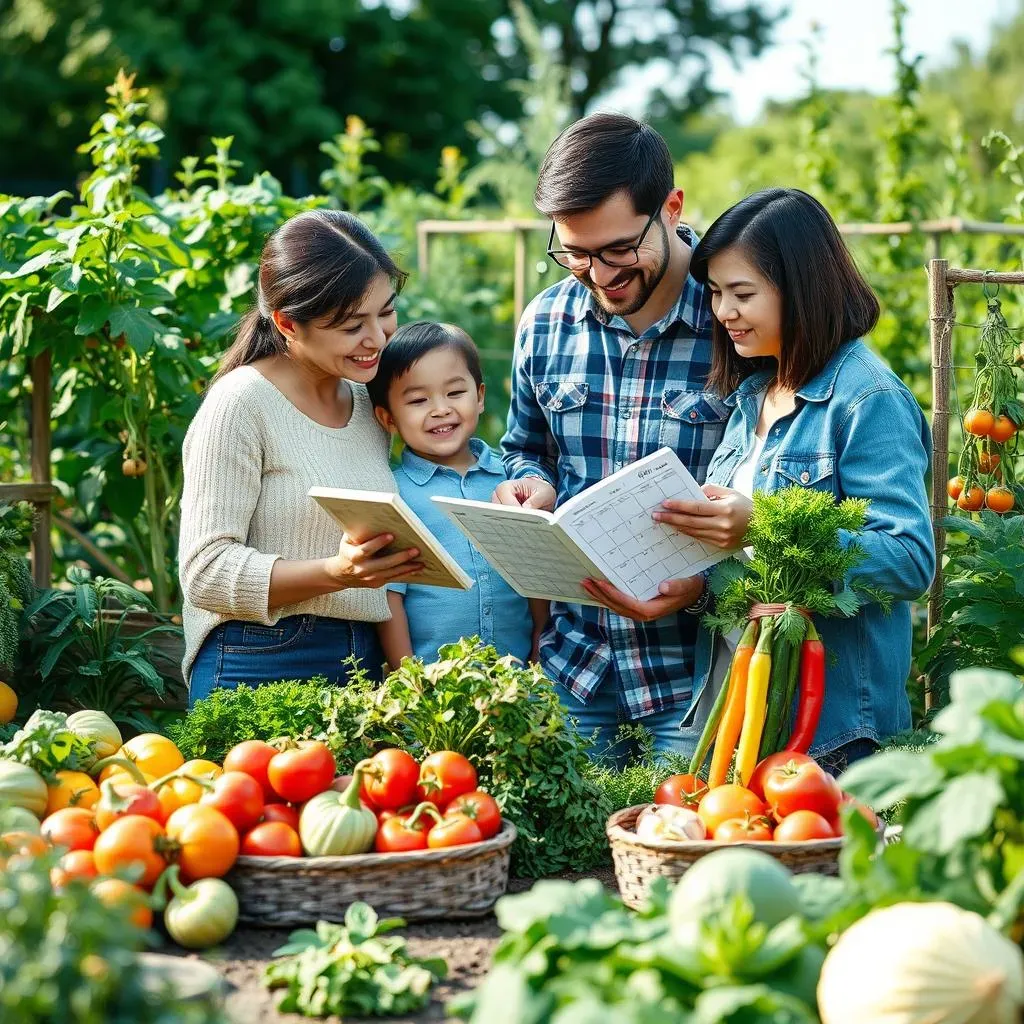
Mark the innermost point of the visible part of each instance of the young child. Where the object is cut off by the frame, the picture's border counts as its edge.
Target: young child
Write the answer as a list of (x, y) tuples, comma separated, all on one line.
[(429, 390)]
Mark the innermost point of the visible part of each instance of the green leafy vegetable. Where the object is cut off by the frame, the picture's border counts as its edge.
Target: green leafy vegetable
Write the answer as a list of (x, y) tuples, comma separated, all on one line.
[(349, 969)]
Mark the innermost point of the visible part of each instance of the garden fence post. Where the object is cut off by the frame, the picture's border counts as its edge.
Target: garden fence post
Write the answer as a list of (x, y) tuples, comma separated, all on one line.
[(42, 554), (940, 318)]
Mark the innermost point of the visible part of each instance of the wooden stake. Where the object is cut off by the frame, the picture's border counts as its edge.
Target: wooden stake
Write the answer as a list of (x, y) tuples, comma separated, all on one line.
[(41, 550), (940, 311)]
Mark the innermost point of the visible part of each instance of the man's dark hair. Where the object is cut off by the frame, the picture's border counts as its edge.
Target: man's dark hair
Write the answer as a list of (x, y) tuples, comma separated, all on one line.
[(598, 156), (793, 242), (409, 344)]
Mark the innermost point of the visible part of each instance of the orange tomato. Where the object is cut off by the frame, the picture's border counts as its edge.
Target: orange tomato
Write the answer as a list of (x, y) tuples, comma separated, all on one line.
[(987, 462), (744, 830), (204, 843), (74, 864), (955, 486), (1002, 429), (115, 892), (999, 499), (181, 791), (151, 753), (971, 500), (725, 802), (802, 826), (71, 789), (978, 422), (131, 842), (74, 828), (20, 847)]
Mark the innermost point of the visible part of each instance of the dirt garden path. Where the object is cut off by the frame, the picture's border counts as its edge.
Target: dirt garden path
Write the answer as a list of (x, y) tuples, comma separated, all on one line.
[(465, 945)]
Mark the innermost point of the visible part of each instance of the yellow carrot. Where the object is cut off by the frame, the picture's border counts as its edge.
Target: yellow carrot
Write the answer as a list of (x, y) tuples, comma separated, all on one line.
[(754, 705), (732, 716)]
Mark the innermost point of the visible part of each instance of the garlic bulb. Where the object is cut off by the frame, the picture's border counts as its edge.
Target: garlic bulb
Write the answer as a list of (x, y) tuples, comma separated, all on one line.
[(666, 821), (922, 963)]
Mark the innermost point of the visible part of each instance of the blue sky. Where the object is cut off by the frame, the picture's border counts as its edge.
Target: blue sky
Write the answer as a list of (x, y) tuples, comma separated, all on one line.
[(855, 36)]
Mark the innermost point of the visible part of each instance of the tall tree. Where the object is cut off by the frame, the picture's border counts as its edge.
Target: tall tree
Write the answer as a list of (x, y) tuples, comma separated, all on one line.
[(280, 75)]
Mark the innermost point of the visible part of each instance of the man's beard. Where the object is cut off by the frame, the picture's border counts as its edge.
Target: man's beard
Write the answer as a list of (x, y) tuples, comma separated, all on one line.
[(649, 281)]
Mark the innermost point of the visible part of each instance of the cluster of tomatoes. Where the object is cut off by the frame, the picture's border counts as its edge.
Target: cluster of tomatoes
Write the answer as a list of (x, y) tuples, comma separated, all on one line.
[(789, 799), (982, 457)]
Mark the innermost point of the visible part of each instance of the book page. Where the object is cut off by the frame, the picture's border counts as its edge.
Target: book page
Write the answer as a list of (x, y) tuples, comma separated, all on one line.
[(612, 522), (366, 514), (532, 555)]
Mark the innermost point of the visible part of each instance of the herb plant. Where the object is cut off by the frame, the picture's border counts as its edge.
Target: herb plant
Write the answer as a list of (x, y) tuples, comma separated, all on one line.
[(83, 660), (16, 588), (351, 969)]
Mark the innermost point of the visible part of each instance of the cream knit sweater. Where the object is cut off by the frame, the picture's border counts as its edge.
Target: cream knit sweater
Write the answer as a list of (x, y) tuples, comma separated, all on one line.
[(250, 457)]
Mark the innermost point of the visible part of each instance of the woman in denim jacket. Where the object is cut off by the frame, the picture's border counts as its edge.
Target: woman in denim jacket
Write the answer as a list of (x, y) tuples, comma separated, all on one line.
[(813, 407)]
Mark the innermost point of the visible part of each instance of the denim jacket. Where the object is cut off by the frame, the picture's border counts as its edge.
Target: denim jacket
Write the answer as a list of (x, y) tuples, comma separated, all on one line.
[(856, 432)]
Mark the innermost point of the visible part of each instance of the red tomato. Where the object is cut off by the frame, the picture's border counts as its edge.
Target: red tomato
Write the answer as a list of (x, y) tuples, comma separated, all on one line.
[(74, 864), (725, 802), (457, 830), (239, 797), (272, 839), (756, 783), (205, 843), (865, 812), (744, 830), (389, 779), (74, 828), (681, 790), (801, 787), (481, 808), (801, 826), (444, 776), (252, 757), (119, 799), (302, 771), (282, 812), (131, 842), (397, 835)]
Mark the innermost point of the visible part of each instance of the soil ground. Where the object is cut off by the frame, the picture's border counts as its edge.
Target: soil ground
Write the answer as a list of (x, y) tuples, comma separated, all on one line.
[(465, 945)]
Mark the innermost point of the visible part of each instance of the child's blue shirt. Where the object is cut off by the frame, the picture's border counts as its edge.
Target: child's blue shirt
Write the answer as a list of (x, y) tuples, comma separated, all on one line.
[(491, 610)]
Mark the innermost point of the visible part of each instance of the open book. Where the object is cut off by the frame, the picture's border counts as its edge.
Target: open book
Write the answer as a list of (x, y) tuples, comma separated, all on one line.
[(605, 532), (366, 514)]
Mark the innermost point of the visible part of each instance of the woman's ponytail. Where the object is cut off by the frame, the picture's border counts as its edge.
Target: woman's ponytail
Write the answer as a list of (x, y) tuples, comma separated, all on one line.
[(316, 267)]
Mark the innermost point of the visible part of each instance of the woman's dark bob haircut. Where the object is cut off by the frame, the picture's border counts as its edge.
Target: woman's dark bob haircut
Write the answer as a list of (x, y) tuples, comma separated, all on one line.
[(794, 243)]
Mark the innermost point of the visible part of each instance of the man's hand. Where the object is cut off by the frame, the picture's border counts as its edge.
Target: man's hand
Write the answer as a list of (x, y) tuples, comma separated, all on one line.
[(722, 521), (673, 596), (527, 491)]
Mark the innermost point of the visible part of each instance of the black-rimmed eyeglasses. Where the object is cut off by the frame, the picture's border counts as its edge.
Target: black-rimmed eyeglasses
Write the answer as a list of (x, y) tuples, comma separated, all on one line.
[(612, 256)]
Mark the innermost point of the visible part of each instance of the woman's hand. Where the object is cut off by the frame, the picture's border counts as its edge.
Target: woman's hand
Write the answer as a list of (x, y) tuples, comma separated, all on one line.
[(722, 521), (672, 596), (355, 565)]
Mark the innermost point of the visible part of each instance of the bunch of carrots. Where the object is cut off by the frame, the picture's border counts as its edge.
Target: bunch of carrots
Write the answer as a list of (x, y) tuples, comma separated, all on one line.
[(799, 568)]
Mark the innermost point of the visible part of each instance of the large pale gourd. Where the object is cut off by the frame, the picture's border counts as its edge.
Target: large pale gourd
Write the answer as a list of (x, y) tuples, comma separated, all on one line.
[(99, 728), (922, 963)]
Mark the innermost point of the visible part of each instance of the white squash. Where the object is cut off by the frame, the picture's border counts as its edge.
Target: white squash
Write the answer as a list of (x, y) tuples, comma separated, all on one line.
[(922, 963), (99, 729), (667, 821)]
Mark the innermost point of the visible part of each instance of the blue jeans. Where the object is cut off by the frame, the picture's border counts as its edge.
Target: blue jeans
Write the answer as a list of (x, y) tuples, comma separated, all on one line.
[(604, 715), (296, 647)]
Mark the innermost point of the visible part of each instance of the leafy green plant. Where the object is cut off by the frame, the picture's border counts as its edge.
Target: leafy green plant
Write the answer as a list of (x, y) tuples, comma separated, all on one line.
[(67, 957), (83, 658), (350, 969), (291, 708), (574, 952), (47, 745), (798, 557), (960, 802), (16, 588), (507, 719), (983, 613)]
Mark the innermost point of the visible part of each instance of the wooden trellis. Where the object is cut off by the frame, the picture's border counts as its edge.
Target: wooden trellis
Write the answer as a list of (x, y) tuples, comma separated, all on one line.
[(942, 280)]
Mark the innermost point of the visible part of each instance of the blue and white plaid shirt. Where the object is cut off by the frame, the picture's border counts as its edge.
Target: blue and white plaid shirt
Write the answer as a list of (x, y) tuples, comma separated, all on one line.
[(589, 397)]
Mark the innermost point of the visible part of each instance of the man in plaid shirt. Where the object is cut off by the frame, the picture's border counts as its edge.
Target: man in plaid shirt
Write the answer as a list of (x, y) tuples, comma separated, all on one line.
[(610, 365)]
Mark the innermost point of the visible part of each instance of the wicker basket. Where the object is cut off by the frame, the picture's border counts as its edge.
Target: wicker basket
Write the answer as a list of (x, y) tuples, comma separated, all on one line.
[(460, 881), (638, 862)]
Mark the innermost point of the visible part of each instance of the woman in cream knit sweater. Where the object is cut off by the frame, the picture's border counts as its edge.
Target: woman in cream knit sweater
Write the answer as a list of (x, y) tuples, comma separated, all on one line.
[(273, 589)]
